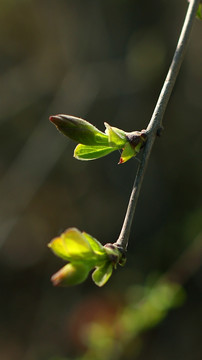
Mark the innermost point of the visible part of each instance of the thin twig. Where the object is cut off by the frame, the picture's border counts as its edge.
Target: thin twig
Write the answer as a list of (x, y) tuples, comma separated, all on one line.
[(156, 120)]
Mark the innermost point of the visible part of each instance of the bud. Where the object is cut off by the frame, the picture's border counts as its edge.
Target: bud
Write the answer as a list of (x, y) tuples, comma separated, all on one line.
[(113, 253), (79, 130), (135, 141), (70, 274), (137, 137)]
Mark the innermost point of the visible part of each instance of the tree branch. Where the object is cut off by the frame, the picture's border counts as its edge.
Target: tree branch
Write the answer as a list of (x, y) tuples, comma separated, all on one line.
[(156, 120)]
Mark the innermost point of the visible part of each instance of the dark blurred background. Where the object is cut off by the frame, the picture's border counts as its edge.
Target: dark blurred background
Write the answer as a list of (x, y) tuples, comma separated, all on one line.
[(102, 61)]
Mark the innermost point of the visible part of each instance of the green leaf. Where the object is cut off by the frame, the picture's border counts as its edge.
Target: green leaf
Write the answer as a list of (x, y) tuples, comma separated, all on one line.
[(97, 247), (102, 274), (117, 137), (71, 274), (76, 244), (85, 152), (129, 151), (59, 248), (79, 130), (72, 245)]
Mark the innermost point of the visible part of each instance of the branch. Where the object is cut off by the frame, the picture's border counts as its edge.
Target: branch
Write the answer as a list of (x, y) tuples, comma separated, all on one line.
[(156, 120)]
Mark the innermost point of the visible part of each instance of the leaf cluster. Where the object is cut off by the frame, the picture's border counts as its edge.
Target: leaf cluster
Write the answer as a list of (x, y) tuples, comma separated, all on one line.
[(93, 143), (84, 253)]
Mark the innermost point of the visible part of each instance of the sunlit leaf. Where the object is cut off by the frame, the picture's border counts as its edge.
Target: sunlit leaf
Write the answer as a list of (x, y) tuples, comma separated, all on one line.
[(58, 247), (127, 153), (77, 246), (102, 274), (85, 152), (117, 137), (97, 247)]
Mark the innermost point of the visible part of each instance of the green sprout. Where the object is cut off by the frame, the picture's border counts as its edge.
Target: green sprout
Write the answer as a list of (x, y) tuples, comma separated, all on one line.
[(84, 254), (93, 143)]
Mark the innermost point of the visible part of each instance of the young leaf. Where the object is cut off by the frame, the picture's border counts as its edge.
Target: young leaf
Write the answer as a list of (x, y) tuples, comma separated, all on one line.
[(85, 152), (70, 274), (72, 245), (127, 153), (97, 247), (79, 130), (77, 246), (102, 274), (59, 248), (117, 137)]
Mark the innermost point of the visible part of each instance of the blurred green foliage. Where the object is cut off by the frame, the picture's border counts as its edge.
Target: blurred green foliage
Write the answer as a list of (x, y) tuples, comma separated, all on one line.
[(143, 308)]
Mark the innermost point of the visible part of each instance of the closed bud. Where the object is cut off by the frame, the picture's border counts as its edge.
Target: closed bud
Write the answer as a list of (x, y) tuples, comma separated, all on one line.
[(113, 253), (79, 130), (70, 274)]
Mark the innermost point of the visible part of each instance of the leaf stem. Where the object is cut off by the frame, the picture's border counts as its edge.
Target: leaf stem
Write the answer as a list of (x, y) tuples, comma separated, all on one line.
[(156, 119)]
